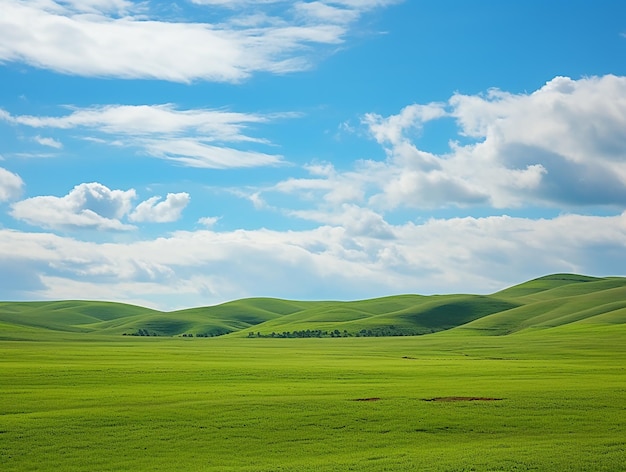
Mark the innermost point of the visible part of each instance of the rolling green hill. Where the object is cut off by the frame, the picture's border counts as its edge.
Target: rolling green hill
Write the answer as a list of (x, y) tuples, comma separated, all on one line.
[(548, 302), (558, 300)]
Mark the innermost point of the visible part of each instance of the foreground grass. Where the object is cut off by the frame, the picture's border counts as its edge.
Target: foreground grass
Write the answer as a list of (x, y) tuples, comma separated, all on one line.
[(229, 404)]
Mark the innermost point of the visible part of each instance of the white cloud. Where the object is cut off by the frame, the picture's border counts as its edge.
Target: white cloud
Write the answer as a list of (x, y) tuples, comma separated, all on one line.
[(195, 138), (141, 120), (431, 189), (50, 142), (356, 221), (323, 12), (328, 186), (154, 210), (562, 145), (393, 129), (194, 153), (95, 206), (204, 267), (10, 185), (88, 205), (103, 38), (209, 221), (576, 119), (364, 5), (98, 6), (235, 3), (340, 11)]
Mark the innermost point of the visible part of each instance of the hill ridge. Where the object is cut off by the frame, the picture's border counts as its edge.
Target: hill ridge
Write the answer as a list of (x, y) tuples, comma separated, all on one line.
[(549, 302)]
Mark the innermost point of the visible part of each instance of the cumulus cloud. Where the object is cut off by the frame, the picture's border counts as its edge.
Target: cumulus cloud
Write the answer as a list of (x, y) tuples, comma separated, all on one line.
[(204, 267), (195, 138), (116, 38), (155, 210), (88, 205), (392, 129), (564, 141), (10, 185), (560, 146), (95, 206)]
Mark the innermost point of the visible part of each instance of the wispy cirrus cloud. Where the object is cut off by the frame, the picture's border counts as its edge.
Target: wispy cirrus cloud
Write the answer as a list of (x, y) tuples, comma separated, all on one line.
[(195, 138), (195, 153), (356, 6), (116, 38), (119, 7), (49, 142), (148, 119)]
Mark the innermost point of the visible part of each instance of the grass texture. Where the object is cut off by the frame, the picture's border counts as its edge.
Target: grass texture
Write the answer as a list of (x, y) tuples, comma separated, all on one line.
[(539, 386)]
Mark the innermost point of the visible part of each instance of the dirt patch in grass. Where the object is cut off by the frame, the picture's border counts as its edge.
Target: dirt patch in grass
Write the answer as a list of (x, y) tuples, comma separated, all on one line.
[(462, 399), (370, 399)]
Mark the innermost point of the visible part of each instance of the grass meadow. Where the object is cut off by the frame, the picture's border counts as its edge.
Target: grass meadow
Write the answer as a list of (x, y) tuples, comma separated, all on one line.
[(550, 399)]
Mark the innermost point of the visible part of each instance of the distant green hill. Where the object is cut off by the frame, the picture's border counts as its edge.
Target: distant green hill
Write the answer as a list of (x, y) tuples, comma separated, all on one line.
[(547, 302), (558, 300), (22, 318)]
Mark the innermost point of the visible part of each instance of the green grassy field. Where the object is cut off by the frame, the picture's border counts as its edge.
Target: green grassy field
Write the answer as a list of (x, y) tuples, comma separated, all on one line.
[(538, 386)]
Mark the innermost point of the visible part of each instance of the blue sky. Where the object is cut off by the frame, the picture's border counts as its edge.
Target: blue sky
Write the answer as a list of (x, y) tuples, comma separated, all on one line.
[(178, 154)]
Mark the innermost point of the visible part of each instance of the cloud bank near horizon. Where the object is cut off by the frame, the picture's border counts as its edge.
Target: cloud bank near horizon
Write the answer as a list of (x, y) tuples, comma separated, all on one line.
[(202, 267)]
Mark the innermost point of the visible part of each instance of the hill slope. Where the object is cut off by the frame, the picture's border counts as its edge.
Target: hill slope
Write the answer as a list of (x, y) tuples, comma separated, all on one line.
[(558, 300), (547, 302)]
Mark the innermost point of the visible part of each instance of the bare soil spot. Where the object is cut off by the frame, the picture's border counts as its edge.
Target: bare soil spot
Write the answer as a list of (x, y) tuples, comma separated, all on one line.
[(462, 399), (370, 399)]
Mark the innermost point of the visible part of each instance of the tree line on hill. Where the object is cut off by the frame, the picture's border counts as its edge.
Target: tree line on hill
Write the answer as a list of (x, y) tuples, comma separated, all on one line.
[(318, 333), (308, 333), (211, 334)]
